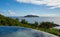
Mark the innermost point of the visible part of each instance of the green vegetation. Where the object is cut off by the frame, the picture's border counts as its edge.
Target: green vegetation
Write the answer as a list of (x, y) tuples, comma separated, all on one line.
[(24, 22), (7, 21), (47, 25), (44, 26), (52, 31)]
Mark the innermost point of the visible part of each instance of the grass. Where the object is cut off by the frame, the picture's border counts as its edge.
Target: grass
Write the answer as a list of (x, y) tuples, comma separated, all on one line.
[(52, 31)]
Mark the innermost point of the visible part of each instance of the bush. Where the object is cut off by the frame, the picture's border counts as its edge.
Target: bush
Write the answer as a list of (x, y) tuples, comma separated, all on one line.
[(24, 21), (47, 25)]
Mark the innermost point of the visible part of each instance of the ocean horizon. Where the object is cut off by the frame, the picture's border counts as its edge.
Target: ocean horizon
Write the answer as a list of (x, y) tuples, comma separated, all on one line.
[(55, 20)]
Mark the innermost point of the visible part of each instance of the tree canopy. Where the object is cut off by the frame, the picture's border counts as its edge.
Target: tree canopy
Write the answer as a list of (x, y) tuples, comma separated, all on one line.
[(47, 24)]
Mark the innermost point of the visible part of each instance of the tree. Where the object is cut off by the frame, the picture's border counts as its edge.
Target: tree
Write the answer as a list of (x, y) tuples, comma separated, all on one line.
[(24, 21), (47, 25), (17, 19), (36, 24)]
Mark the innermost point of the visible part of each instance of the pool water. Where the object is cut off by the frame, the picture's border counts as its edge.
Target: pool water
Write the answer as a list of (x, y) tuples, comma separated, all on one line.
[(10, 31)]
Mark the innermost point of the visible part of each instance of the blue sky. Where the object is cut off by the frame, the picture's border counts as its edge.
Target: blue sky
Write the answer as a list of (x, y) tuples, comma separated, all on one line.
[(28, 7)]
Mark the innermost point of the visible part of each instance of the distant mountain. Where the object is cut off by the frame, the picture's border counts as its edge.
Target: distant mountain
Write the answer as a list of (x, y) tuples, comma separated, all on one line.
[(31, 16)]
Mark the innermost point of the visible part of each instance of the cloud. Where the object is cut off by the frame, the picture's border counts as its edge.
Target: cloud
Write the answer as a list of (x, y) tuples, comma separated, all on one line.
[(3, 12), (46, 15), (11, 12), (53, 3), (49, 15), (52, 7)]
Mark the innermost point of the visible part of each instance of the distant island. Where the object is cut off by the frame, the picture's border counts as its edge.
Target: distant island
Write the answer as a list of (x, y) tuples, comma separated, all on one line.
[(31, 16)]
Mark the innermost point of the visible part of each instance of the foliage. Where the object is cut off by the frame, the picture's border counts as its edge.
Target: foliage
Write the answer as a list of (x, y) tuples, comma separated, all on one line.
[(52, 31), (6, 21), (24, 21), (47, 25), (17, 19)]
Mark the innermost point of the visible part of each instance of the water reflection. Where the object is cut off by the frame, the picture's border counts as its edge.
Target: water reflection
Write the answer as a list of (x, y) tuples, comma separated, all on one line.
[(22, 32)]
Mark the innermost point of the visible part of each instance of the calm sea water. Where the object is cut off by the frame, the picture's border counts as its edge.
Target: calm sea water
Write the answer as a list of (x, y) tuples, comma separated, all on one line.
[(56, 20), (41, 19)]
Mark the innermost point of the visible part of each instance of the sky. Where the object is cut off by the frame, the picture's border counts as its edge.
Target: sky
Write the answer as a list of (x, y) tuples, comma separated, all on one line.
[(30, 7)]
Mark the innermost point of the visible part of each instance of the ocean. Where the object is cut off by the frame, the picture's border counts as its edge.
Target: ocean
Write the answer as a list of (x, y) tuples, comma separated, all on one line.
[(40, 19), (55, 20)]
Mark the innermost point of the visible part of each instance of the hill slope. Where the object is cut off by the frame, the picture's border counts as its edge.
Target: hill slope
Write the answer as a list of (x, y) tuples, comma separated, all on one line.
[(6, 21)]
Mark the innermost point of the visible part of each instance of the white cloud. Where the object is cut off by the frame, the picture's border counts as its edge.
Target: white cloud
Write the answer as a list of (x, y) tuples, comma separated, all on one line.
[(49, 15), (11, 12), (52, 7), (53, 3), (46, 15)]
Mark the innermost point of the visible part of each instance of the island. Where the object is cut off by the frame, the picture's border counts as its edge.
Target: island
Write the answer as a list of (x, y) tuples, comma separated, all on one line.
[(31, 16)]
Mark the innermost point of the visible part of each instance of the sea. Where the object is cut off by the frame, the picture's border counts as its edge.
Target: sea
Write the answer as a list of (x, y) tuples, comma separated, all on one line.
[(55, 20), (40, 19)]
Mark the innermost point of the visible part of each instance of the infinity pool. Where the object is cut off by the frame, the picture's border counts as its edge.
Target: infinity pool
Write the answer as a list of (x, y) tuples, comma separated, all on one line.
[(7, 31)]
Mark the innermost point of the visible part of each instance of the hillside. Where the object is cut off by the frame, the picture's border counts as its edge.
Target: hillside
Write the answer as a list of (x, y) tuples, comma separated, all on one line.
[(6, 21)]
